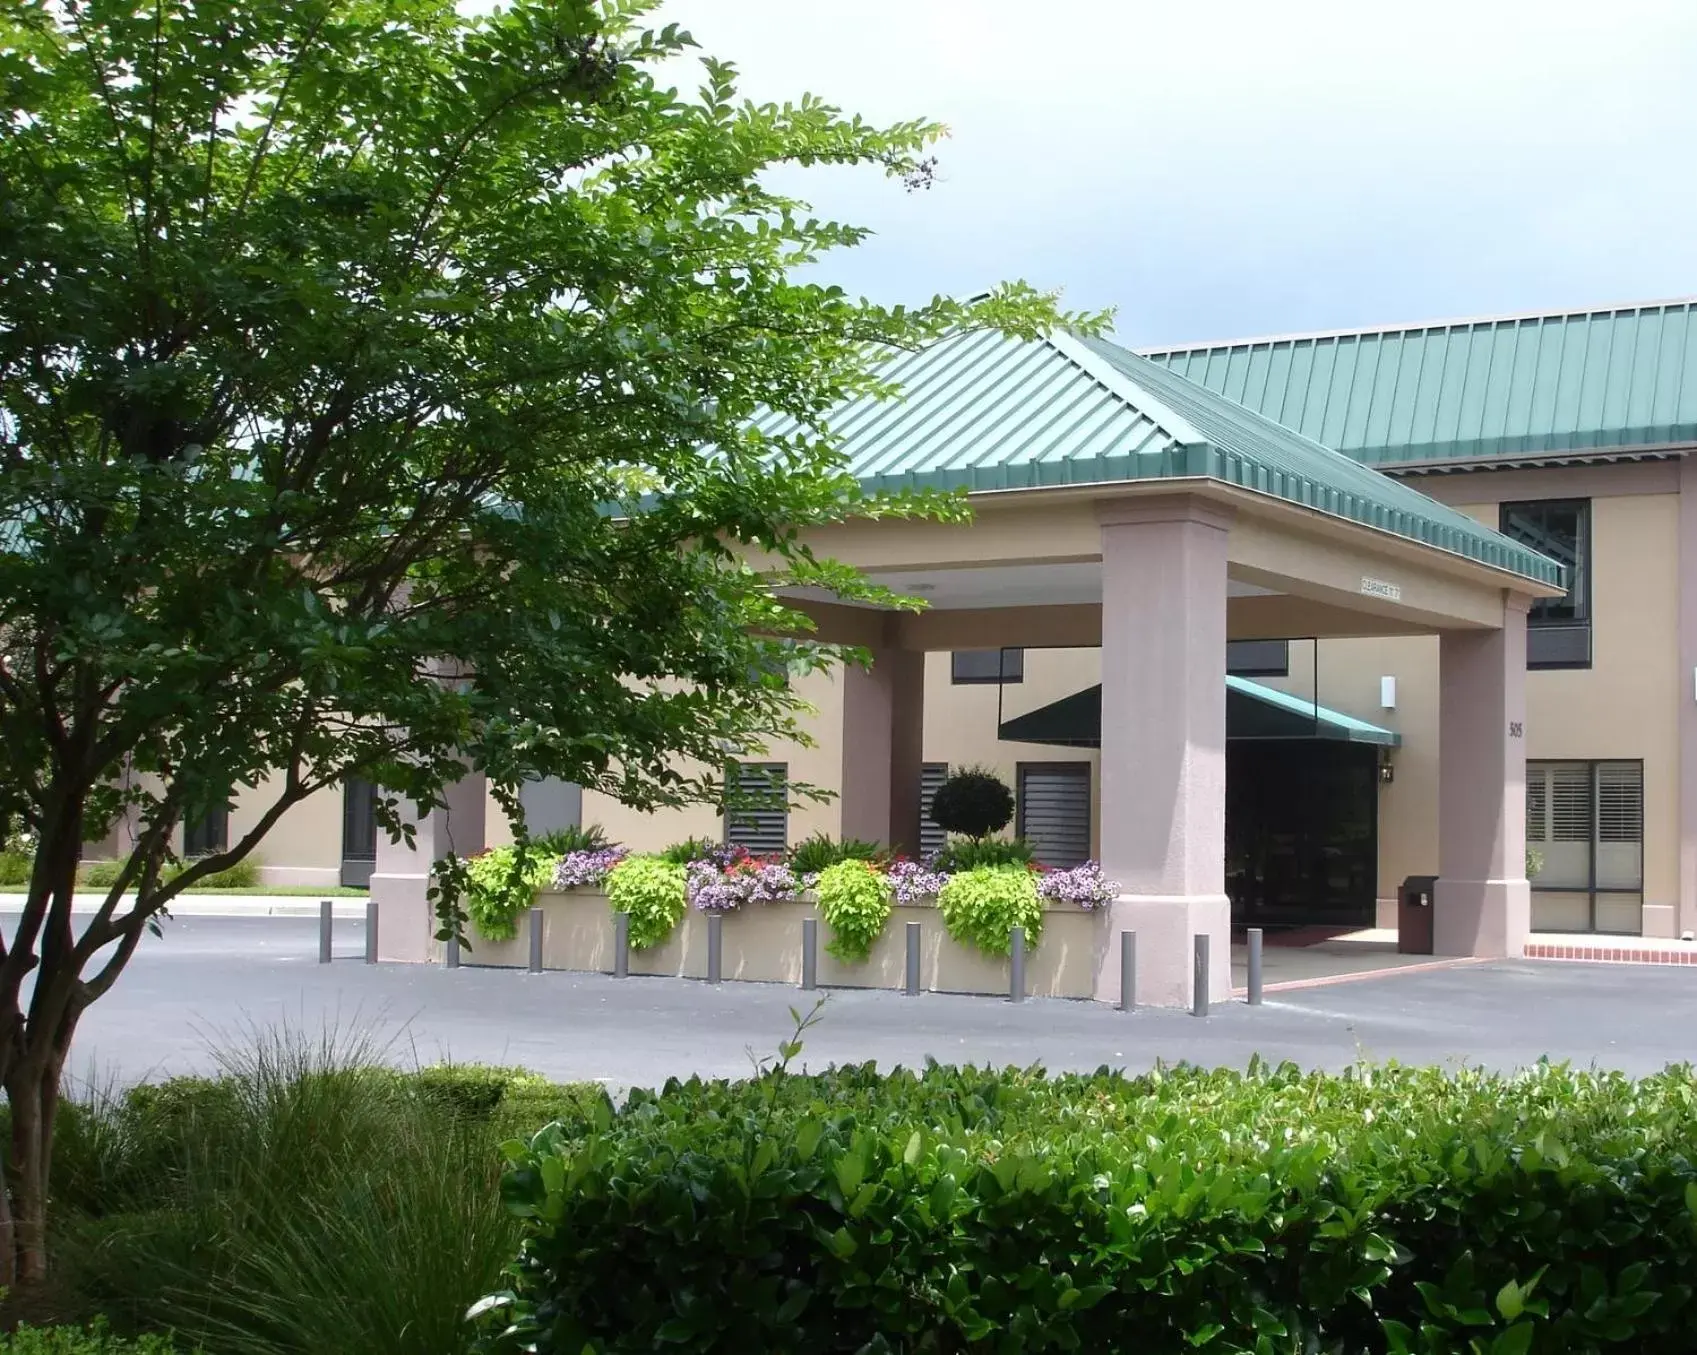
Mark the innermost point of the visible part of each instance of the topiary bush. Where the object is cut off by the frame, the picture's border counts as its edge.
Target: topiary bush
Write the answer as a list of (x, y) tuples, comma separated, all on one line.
[(819, 850), (968, 853), (982, 906), (973, 802), (654, 891), (960, 1209), (500, 884), (854, 900)]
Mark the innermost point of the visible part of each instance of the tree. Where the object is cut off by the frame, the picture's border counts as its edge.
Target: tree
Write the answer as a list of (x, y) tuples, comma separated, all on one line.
[(973, 802), (378, 390)]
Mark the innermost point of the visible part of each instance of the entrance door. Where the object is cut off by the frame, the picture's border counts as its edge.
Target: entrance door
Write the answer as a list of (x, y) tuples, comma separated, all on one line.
[(1302, 832), (359, 832)]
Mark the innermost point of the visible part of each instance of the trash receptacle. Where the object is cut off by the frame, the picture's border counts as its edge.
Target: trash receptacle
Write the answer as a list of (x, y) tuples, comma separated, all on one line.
[(1414, 915)]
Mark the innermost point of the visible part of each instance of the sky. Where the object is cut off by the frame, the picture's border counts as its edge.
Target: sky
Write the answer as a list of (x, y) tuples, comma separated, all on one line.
[(1225, 168)]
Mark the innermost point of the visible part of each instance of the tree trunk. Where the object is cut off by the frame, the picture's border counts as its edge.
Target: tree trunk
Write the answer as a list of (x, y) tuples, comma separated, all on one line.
[(26, 1172)]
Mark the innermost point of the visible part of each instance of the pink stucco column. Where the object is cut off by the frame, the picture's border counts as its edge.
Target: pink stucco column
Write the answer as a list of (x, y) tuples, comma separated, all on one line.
[(401, 880), (883, 737), (1164, 744), (1685, 919), (1483, 904)]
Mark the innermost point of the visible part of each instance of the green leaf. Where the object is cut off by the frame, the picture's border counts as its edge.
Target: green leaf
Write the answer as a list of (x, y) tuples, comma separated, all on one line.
[(1517, 1340), (1511, 1302), (915, 1143)]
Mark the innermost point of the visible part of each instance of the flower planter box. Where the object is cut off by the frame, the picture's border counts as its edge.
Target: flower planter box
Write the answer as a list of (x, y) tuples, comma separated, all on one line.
[(762, 944)]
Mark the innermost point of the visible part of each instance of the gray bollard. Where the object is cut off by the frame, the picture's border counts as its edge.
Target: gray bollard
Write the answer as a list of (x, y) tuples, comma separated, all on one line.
[(715, 947), (1254, 966), (621, 945), (1199, 983), (451, 954), (371, 933), (1128, 971), (326, 921), (535, 940), (810, 953), (1016, 965), (911, 987)]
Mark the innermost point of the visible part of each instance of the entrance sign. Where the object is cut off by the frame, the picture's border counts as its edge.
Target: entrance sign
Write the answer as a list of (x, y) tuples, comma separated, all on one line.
[(1378, 588)]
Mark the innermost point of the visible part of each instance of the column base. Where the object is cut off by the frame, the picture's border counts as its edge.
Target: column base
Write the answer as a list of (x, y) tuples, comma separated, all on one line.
[(1167, 926), (1489, 919), (405, 922)]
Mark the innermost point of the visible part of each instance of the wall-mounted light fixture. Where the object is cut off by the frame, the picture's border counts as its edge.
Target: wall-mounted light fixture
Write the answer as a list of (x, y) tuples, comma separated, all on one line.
[(1387, 772), (1387, 692)]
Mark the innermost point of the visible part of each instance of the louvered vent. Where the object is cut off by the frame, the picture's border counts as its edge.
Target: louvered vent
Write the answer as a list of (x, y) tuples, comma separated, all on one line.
[(931, 836), (763, 831)]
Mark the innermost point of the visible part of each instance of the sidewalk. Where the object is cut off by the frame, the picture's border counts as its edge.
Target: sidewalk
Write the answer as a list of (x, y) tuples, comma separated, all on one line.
[(218, 905)]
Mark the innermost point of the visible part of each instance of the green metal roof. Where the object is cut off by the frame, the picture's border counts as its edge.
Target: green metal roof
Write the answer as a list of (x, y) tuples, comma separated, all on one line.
[(1560, 386), (984, 412), (1252, 712)]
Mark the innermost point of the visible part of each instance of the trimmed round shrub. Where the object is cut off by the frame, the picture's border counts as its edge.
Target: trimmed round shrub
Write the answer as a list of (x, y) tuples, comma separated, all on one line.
[(654, 892), (972, 802), (854, 900), (981, 907)]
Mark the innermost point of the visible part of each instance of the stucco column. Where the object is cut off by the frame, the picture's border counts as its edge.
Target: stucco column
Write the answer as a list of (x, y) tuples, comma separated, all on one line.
[(401, 880), (1164, 744), (1686, 915), (1483, 904), (883, 752)]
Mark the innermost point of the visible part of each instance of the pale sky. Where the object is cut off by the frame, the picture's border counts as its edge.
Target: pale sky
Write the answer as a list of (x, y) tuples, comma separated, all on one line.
[(1225, 168)]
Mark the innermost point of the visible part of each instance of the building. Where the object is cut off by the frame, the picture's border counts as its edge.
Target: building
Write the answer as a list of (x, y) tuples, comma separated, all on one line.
[(1474, 454)]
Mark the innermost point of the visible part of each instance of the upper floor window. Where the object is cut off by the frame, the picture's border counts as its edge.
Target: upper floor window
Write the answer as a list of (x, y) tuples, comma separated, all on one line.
[(1258, 658), (1558, 630), (988, 665)]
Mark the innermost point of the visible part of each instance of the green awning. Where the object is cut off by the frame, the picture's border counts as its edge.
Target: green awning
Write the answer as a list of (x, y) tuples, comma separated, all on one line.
[(1252, 712)]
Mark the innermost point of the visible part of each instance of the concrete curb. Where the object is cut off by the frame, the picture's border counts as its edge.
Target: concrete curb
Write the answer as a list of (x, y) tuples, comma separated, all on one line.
[(225, 905)]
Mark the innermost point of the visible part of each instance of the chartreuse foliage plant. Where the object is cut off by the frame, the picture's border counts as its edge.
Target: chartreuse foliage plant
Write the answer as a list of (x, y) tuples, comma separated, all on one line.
[(501, 884), (357, 360), (959, 1209), (854, 900), (654, 891), (982, 906)]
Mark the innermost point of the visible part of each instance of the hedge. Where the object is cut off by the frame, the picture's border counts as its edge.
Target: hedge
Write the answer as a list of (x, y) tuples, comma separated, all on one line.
[(1386, 1209)]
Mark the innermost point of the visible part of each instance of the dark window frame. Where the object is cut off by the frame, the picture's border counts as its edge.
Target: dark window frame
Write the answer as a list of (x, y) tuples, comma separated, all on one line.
[(976, 670), (1550, 637), (207, 835), (1593, 889), (1258, 661)]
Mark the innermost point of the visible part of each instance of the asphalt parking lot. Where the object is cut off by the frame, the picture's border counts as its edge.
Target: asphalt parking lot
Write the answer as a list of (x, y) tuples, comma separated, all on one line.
[(211, 981)]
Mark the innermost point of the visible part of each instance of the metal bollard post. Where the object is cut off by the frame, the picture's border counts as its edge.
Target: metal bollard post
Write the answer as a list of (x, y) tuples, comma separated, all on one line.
[(1016, 965), (621, 945), (535, 940), (371, 933), (810, 953), (326, 920), (1254, 966), (1199, 999), (1128, 971), (715, 947), (911, 987), (451, 955)]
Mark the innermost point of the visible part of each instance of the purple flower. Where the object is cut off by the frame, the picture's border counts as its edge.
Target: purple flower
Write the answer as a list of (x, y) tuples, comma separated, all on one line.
[(916, 883), (1082, 885), (577, 869), (721, 889)]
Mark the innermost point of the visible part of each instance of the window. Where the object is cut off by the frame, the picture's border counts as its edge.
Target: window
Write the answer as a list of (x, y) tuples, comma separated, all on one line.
[(1558, 631), (931, 836), (760, 820), (988, 665), (1585, 821), (359, 832), (1054, 811), (207, 835), (1258, 658)]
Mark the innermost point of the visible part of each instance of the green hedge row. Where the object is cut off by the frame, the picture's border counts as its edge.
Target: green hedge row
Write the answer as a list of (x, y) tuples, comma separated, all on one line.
[(962, 1210)]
